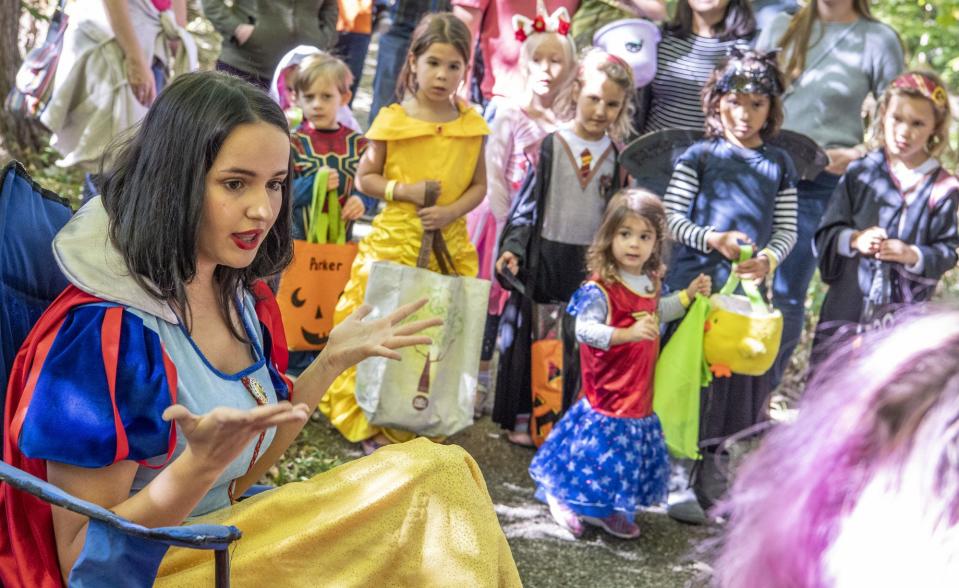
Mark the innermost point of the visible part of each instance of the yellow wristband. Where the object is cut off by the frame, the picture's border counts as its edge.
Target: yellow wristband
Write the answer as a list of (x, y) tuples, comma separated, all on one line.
[(390, 188), (684, 298)]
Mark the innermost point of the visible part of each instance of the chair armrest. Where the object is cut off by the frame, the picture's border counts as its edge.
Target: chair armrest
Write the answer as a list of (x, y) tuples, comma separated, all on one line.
[(195, 536)]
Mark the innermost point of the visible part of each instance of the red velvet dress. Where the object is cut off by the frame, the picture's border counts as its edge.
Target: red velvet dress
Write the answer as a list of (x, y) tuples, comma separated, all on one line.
[(619, 381)]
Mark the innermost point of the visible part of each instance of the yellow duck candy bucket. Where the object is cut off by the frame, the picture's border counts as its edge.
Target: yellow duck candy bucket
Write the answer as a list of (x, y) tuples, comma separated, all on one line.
[(742, 332)]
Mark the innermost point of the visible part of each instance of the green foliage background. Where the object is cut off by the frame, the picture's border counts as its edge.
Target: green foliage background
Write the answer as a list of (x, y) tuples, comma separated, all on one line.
[(930, 31)]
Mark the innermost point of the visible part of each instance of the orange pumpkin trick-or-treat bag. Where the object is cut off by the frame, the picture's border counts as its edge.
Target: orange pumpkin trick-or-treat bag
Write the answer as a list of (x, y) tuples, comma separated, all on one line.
[(314, 281)]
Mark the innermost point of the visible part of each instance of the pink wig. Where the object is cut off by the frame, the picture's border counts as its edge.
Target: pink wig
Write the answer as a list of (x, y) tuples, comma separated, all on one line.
[(863, 488)]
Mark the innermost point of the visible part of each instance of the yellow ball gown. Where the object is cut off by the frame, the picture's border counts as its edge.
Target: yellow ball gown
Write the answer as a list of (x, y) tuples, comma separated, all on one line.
[(416, 150), (415, 514)]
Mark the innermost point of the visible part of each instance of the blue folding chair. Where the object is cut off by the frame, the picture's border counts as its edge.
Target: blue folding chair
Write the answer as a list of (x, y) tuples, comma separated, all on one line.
[(30, 280)]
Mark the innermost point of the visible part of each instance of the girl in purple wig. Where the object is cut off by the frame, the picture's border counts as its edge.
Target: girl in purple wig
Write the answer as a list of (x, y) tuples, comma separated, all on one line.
[(863, 489)]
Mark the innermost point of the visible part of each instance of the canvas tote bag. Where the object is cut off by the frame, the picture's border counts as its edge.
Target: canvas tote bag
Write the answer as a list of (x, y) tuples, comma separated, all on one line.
[(432, 390)]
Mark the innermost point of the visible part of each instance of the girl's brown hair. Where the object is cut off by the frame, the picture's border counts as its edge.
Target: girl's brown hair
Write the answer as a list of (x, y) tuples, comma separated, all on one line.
[(617, 71), (939, 140), (712, 94), (796, 40), (439, 27), (642, 203)]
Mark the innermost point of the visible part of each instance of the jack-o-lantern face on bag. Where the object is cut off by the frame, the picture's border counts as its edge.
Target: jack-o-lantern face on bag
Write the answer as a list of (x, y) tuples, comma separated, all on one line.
[(309, 290), (315, 338)]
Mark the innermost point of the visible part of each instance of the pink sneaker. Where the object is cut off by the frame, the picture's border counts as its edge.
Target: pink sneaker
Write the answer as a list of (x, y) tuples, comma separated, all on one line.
[(616, 525), (565, 517)]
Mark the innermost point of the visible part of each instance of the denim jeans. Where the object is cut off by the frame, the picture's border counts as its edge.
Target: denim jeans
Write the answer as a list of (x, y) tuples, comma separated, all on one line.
[(394, 45), (352, 49), (793, 276)]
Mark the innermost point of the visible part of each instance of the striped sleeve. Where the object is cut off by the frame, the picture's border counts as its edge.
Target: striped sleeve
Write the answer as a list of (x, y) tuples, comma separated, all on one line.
[(683, 188), (784, 225)]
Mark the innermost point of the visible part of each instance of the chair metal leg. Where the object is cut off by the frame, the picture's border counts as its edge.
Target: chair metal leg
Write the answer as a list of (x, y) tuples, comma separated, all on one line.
[(222, 570)]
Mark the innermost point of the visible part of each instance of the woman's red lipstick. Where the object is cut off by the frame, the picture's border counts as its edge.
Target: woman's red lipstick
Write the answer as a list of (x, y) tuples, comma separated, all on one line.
[(247, 240)]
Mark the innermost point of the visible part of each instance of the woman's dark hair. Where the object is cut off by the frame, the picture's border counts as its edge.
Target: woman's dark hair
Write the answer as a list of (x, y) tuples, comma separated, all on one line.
[(155, 181), (439, 27), (738, 23)]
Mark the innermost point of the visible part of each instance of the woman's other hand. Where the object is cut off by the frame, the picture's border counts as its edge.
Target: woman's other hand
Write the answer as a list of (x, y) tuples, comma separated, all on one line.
[(218, 437)]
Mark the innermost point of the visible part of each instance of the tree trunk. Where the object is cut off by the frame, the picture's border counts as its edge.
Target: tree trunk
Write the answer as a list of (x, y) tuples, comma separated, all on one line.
[(19, 138)]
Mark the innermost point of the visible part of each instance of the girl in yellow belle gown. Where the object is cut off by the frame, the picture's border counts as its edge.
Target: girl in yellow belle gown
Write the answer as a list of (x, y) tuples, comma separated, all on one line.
[(430, 141)]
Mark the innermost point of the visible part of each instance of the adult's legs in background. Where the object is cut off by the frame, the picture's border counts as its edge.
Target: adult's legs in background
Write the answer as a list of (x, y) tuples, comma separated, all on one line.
[(352, 49), (794, 274), (393, 47)]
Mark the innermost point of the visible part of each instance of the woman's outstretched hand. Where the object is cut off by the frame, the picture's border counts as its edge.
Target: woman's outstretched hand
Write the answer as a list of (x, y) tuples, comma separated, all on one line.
[(216, 438), (356, 339)]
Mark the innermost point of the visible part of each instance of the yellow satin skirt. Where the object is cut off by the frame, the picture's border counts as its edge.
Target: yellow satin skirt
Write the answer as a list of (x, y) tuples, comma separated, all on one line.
[(396, 236), (415, 514)]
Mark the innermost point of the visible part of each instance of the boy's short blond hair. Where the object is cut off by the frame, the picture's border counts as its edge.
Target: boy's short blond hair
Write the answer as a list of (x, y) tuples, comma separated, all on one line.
[(322, 66)]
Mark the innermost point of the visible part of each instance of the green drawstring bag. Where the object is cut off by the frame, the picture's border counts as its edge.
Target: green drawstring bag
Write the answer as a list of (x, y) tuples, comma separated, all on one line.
[(311, 285), (329, 226), (681, 373)]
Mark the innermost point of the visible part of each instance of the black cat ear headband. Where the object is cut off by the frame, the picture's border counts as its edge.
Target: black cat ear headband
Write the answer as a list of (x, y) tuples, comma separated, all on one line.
[(748, 71)]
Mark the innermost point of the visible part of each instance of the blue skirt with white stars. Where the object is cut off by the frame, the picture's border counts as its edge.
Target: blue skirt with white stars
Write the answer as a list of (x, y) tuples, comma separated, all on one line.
[(598, 464)]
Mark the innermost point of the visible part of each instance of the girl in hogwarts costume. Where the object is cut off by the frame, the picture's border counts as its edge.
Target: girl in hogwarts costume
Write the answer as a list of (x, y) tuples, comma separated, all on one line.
[(547, 63), (729, 188), (607, 455), (824, 42), (153, 386), (430, 142), (889, 233), (554, 220)]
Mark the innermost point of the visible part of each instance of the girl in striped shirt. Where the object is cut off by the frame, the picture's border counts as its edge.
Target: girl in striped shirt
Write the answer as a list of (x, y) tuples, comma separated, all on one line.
[(728, 189)]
